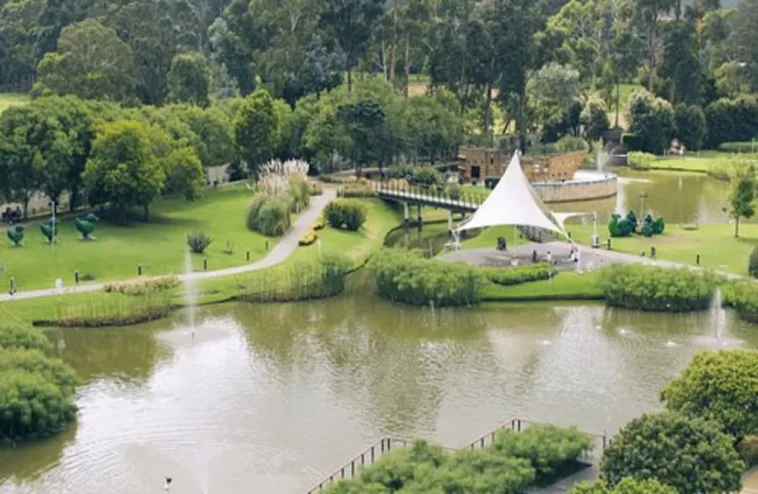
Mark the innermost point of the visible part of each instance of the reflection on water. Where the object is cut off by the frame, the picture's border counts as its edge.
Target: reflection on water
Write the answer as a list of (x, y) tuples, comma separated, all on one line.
[(275, 396)]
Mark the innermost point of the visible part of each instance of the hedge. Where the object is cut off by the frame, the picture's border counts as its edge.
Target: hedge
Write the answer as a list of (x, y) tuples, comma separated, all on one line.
[(519, 274), (657, 289)]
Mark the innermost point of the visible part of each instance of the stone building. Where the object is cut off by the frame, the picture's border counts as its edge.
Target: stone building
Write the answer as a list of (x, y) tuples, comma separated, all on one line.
[(476, 165)]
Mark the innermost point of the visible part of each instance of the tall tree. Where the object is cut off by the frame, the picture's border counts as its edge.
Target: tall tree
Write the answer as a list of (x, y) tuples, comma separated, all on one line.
[(519, 52), (19, 155), (744, 40), (255, 130), (680, 76), (646, 17), (189, 79), (122, 170), (91, 62), (351, 23)]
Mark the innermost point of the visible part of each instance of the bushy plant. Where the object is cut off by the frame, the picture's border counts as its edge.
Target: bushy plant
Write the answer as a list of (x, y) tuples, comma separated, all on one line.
[(641, 161), (358, 188), (508, 276), (16, 335), (721, 387), (549, 449), (98, 310), (743, 297), (300, 193), (752, 267), (568, 144), (628, 485), (405, 277), (652, 120), (143, 286), (35, 361), (320, 223), (690, 455), (657, 289), (739, 147), (427, 176), (347, 214), (689, 123), (731, 120), (308, 239), (316, 189), (292, 282), (270, 215), (198, 242), (748, 449)]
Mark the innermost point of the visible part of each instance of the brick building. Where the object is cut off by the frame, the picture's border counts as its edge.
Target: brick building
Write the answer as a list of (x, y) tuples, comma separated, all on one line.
[(479, 164)]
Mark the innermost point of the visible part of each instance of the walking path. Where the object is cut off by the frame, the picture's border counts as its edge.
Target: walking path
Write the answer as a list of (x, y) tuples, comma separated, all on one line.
[(286, 246), (591, 258), (750, 482)]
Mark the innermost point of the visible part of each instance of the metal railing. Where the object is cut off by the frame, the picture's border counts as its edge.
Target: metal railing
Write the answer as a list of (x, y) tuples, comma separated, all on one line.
[(431, 196), (383, 446)]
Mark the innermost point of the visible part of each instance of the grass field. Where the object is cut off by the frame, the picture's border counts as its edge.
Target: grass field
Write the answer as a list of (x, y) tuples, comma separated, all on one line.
[(715, 243), (12, 99), (714, 162), (565, 286), (159, 246)]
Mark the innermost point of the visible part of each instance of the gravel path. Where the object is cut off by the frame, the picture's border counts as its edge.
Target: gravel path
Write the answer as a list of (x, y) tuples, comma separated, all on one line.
[(286, 246)]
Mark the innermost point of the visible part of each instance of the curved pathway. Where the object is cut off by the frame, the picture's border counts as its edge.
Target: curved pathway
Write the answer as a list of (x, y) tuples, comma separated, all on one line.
[(286, 246)]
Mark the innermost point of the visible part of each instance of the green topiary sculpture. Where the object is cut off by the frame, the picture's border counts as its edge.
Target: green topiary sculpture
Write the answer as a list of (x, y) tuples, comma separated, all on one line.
[(16, 234), (86, 226), (49, 229)]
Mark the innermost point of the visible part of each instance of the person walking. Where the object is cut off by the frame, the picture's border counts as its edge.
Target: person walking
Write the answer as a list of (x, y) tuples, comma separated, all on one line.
[(12, 287)]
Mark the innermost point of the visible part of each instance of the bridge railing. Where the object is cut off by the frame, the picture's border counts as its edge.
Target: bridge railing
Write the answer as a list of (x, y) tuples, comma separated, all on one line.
[(432, 196), (383, 446)]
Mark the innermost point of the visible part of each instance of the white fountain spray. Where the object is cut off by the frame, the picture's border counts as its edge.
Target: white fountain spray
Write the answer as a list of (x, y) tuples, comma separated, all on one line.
[(190, 291), (718, 316)]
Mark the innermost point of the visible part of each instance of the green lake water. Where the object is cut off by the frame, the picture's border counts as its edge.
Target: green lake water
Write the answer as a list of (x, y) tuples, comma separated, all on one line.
[(271, 398)]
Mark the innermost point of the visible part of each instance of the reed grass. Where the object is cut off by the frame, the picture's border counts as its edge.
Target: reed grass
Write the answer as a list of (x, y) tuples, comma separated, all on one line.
[(113, 310)]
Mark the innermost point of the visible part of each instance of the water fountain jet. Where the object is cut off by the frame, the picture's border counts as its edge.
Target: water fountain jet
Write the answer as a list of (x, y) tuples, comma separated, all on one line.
[(190, 292)]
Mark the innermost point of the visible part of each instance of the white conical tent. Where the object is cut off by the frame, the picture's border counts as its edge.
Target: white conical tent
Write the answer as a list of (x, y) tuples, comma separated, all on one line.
[(514, 202)]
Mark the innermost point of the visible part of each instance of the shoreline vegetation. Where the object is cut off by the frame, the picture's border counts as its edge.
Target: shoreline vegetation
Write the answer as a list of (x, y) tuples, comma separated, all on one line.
[(322, 270)]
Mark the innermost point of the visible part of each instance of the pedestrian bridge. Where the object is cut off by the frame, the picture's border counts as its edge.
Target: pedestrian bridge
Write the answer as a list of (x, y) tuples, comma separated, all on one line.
[(462, 203)]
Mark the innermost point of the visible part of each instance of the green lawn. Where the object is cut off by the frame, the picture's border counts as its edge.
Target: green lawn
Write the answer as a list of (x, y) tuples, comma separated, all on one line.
[(565, 286), (488, 238), (715, 162), (715, 243), (159, 246), (12, 99), (356, 246)]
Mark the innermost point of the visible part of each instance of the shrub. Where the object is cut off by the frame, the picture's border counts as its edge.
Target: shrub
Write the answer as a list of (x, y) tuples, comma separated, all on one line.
[(320, 223), (721, 387), (404, 277), (198, 242), (427, 176), (358, 188), (17, 335), (628, 485), (641, 161), (346, 214), (743, 297), (689, 123), (519, 274), (690, 455), (568, 144), (300, 193), (270, 215), (115, 309), (308, 239), (32, 406), (752, 266), (594, 118), (656, 289), (34, 361), (632, 142), (739, 147), (549, 449), (316, 189), (143, 286)]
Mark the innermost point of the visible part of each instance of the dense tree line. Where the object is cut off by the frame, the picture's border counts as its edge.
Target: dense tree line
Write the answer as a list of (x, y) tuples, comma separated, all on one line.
[(100, 153), (497, 57)]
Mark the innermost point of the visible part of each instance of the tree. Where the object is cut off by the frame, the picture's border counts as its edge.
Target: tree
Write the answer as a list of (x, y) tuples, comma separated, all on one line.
[(351, 24), (628, 485), (646, 16), (652, 120), (122, 170), (719, 386), (189, 79), (689, 125), (364, 122), (680, 77), (19, 156), (553, 88), (184, 173), (743, 40), (742, 195), (91, 62), (519, 51), (255, 129), (690, 455), (594, 118)]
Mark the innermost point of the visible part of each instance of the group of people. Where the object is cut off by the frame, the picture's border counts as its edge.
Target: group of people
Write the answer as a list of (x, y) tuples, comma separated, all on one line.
[(574, 256), (10, 216)]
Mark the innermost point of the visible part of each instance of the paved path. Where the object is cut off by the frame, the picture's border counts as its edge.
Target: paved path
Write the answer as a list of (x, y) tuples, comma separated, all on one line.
[(750, 482), (286, 246), (591, 258)]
